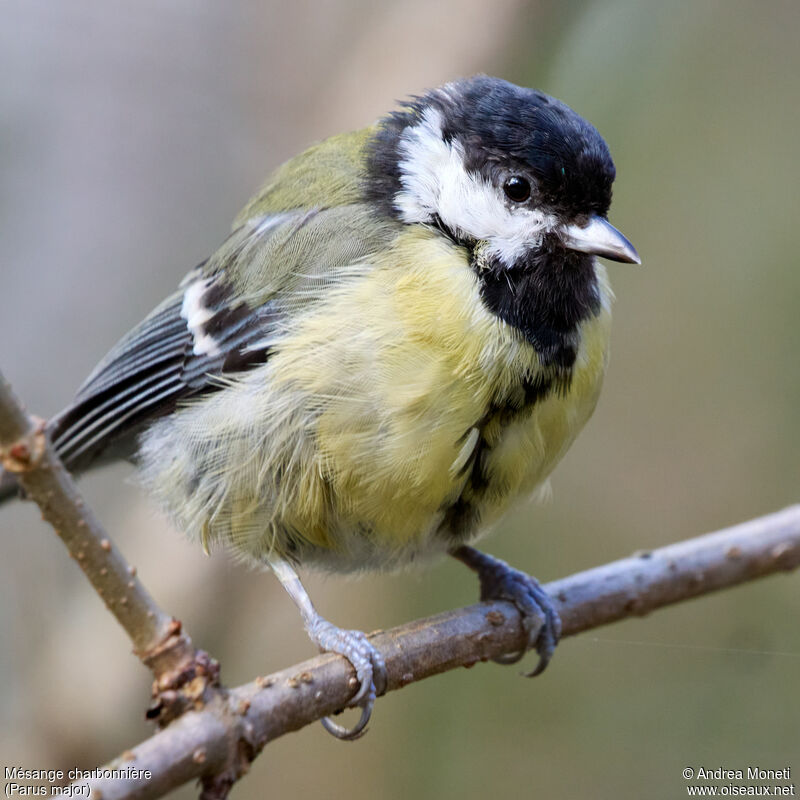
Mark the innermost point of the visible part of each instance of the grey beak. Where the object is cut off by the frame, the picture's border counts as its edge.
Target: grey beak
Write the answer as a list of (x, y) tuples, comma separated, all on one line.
[(600, 238)]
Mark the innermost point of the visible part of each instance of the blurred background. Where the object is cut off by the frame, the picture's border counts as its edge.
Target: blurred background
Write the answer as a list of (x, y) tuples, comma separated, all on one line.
[(130, 135)]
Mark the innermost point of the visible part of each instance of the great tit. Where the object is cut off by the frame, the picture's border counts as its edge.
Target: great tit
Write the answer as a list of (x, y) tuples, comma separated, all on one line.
[(403, 334)]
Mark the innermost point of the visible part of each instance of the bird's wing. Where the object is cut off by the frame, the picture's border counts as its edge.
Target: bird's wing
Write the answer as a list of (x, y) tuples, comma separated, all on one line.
[(225, 319)]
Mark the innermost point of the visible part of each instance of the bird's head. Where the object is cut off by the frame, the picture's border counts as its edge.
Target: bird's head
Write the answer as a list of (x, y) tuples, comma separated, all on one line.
[(490, 162)]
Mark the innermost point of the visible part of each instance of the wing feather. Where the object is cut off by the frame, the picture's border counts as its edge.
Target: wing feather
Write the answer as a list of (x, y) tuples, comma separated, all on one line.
[(161, 333), (176, 352), (226, 318), (141, 403)]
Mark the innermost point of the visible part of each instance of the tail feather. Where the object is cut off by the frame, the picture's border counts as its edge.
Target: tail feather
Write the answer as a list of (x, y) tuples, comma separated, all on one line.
[(121, 448), (8, 486)]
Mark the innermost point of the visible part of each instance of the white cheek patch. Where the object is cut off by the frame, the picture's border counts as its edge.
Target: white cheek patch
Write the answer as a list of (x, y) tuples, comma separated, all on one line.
[(197, 315), (436, 183)]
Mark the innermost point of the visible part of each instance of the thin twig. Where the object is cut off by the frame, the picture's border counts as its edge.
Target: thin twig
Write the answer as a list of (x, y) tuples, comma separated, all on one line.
[(223, 737), (157, 638)]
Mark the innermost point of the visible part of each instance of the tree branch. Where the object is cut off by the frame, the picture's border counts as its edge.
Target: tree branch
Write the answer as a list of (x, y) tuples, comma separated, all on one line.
[(158, 639), (217, 742)]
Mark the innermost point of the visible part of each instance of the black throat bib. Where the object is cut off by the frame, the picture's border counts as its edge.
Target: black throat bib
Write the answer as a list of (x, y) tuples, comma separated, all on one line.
[(545, 295)]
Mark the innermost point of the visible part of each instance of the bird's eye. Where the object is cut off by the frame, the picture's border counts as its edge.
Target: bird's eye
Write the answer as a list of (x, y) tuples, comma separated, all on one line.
[(517, 189)]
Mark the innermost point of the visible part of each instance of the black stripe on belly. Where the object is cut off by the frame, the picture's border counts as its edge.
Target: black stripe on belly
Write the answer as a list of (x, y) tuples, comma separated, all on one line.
[(463, 516)]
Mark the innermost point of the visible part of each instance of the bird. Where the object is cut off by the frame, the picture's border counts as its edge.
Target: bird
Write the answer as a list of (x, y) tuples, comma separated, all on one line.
[(403, 334)]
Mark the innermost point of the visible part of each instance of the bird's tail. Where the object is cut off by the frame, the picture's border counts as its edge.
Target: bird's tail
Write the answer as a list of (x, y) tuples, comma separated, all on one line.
[(121, 448), (8, 486)]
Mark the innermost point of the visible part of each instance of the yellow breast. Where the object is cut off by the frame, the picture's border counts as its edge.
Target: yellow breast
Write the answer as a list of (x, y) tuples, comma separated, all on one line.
[(420, 421)]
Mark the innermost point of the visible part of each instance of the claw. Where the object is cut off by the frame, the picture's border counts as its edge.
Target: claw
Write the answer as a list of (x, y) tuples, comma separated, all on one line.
[(367, 662), (539, 616), (348, 734)]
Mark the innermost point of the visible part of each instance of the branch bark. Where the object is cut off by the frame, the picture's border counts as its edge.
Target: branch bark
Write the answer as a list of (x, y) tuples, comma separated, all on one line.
[(158, 639), (217, 742), (226, 729)]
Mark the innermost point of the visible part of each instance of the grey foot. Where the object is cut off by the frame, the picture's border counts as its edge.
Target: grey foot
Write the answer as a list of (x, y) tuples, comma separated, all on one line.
[(539, 616), (367, 662)]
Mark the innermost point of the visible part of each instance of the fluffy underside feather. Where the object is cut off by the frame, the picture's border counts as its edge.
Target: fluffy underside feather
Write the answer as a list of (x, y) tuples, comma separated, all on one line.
[(346, 448)]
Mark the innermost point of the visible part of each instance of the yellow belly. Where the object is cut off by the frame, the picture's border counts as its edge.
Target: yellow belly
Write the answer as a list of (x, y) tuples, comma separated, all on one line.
[(390, 421), (402, 409)]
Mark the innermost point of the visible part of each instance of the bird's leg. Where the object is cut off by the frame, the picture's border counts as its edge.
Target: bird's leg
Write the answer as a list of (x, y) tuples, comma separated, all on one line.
[(353, 645), (539, 616)]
